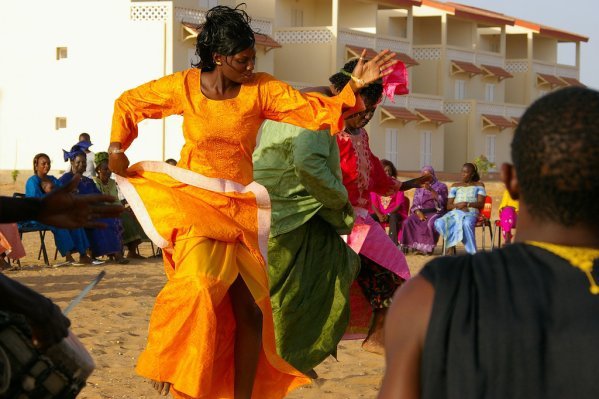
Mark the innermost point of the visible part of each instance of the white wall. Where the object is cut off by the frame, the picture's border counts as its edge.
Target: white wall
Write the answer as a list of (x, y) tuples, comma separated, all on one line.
[(107, 54)]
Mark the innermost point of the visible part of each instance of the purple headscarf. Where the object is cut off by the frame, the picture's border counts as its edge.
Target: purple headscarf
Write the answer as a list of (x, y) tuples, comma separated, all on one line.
[(431, 171)]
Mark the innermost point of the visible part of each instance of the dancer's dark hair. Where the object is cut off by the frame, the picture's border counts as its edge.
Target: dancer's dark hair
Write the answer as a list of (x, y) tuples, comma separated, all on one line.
[(371, 93), (227, 31), (555, 151)]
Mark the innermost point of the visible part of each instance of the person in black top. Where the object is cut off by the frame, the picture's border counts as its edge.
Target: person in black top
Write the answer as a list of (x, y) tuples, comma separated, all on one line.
[(522, 321)]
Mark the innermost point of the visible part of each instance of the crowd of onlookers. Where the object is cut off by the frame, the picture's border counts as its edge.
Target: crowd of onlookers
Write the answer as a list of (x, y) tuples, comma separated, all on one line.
[(437, 211), (117, 242)]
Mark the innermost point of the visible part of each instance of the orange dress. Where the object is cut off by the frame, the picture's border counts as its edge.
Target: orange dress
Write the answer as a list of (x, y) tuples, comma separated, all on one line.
[(213, 222)]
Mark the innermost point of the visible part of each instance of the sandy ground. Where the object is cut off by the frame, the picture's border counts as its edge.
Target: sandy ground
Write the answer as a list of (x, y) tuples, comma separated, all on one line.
[(112, 322)]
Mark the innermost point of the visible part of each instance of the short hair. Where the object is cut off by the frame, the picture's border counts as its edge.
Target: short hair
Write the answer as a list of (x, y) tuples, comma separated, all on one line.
[(227, 31), (555, 151), (371, 93), (85, 137), (474, 169), (37, 157), (388, 163), (171, 161)]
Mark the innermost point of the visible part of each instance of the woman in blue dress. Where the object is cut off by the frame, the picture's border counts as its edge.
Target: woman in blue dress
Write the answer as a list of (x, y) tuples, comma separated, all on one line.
[(105, 241), (464, 203), (68, 241)]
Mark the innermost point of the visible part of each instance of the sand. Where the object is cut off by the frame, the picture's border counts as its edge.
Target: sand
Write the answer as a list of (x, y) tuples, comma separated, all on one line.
[(112, 322)]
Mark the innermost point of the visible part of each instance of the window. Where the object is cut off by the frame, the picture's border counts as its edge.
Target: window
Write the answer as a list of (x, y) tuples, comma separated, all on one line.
[(61, 53), (460, 89), (489, 92), (297, 17), (60, 122), (425, 148), (490, 149), (391, 145)]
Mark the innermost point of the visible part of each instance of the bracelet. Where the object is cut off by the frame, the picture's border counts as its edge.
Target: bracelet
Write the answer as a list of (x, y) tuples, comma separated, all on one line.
[(358, 81), (117, 151)]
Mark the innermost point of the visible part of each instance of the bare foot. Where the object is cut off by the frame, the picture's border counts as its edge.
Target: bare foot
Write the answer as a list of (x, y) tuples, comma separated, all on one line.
[(372, 345), (4, 265), (134, 255), (85, 259), (375, 339), (69, 258), (162, 388)]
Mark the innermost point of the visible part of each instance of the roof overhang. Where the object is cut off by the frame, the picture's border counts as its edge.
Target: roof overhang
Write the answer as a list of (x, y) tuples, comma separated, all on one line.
[(465, 67), (191, 31), (471, 13), (496, 72), (572, 81), (404, 115), (498, 121), (544, 79), (432, 116), (558, 34)]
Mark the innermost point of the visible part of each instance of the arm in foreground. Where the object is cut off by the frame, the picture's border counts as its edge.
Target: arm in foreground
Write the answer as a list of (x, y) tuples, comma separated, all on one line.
[(405, 331), (47, 322)]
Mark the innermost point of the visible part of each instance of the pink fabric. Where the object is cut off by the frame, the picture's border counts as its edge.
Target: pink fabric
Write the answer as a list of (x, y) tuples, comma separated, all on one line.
[(507, 219), (396, 82), (370, 239), (397, 199), (10, 241)]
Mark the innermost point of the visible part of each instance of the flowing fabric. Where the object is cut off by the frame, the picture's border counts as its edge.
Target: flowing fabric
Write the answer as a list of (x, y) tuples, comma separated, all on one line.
[(421, 235), (310, 268), (10, 241), (458, 225), (105, 241), (66, 240), (363, 173), (213, 223)]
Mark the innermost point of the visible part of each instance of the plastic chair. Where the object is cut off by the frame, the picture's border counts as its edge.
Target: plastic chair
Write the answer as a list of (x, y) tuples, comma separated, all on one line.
[(484, 219), (32, 226), (496, 233)]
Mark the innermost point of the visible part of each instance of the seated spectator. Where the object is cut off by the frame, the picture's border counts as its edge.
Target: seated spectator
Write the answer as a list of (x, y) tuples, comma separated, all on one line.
[(464, 203), (102, 241), (429, 204), (69, 241), (508, 215), (11, 247), (390, 211), (132, 231)]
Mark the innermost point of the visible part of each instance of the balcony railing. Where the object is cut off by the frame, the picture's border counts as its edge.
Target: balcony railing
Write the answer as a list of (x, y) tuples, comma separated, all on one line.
[(304, 35)]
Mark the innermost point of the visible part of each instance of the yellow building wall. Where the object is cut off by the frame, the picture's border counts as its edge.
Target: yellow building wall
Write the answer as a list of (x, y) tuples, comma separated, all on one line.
[(392, 23), (310, 63), (314, 12), (427, 30), (456, 139), (516, 47), (460, 33), (425, 78), (358, 15), (544, 49), (516, 87)]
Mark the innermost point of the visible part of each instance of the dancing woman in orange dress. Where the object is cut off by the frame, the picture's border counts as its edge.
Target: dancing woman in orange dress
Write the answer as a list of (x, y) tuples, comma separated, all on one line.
[(211, 330)]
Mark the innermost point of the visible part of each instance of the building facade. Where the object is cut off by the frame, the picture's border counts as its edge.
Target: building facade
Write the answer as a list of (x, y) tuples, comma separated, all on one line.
[(472, 71)]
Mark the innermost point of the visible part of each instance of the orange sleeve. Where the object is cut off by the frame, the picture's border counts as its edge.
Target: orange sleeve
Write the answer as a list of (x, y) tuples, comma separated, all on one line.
[(314, 111), (153, 100)]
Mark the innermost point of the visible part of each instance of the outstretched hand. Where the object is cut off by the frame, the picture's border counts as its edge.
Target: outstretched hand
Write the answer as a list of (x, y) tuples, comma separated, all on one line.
[(61, 208), (375, 69), (416, 183)]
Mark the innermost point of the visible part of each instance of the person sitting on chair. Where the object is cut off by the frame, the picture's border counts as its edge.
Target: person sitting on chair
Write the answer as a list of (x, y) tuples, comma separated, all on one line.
[(464, 203), (508, 215), (390, 211)]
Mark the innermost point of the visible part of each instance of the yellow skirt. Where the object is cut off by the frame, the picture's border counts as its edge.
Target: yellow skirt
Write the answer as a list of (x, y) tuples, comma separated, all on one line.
[(216, 233)]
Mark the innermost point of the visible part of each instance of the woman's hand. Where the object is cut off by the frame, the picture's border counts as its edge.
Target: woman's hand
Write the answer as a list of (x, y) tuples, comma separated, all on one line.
[(420, 215), (367, 72), (117, 160)]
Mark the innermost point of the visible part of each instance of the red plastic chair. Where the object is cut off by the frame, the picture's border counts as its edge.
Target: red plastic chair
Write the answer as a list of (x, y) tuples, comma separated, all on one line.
[(484, 219)]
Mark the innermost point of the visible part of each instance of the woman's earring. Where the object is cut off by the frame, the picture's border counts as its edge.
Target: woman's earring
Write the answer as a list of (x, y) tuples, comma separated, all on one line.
[(218, 62)]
